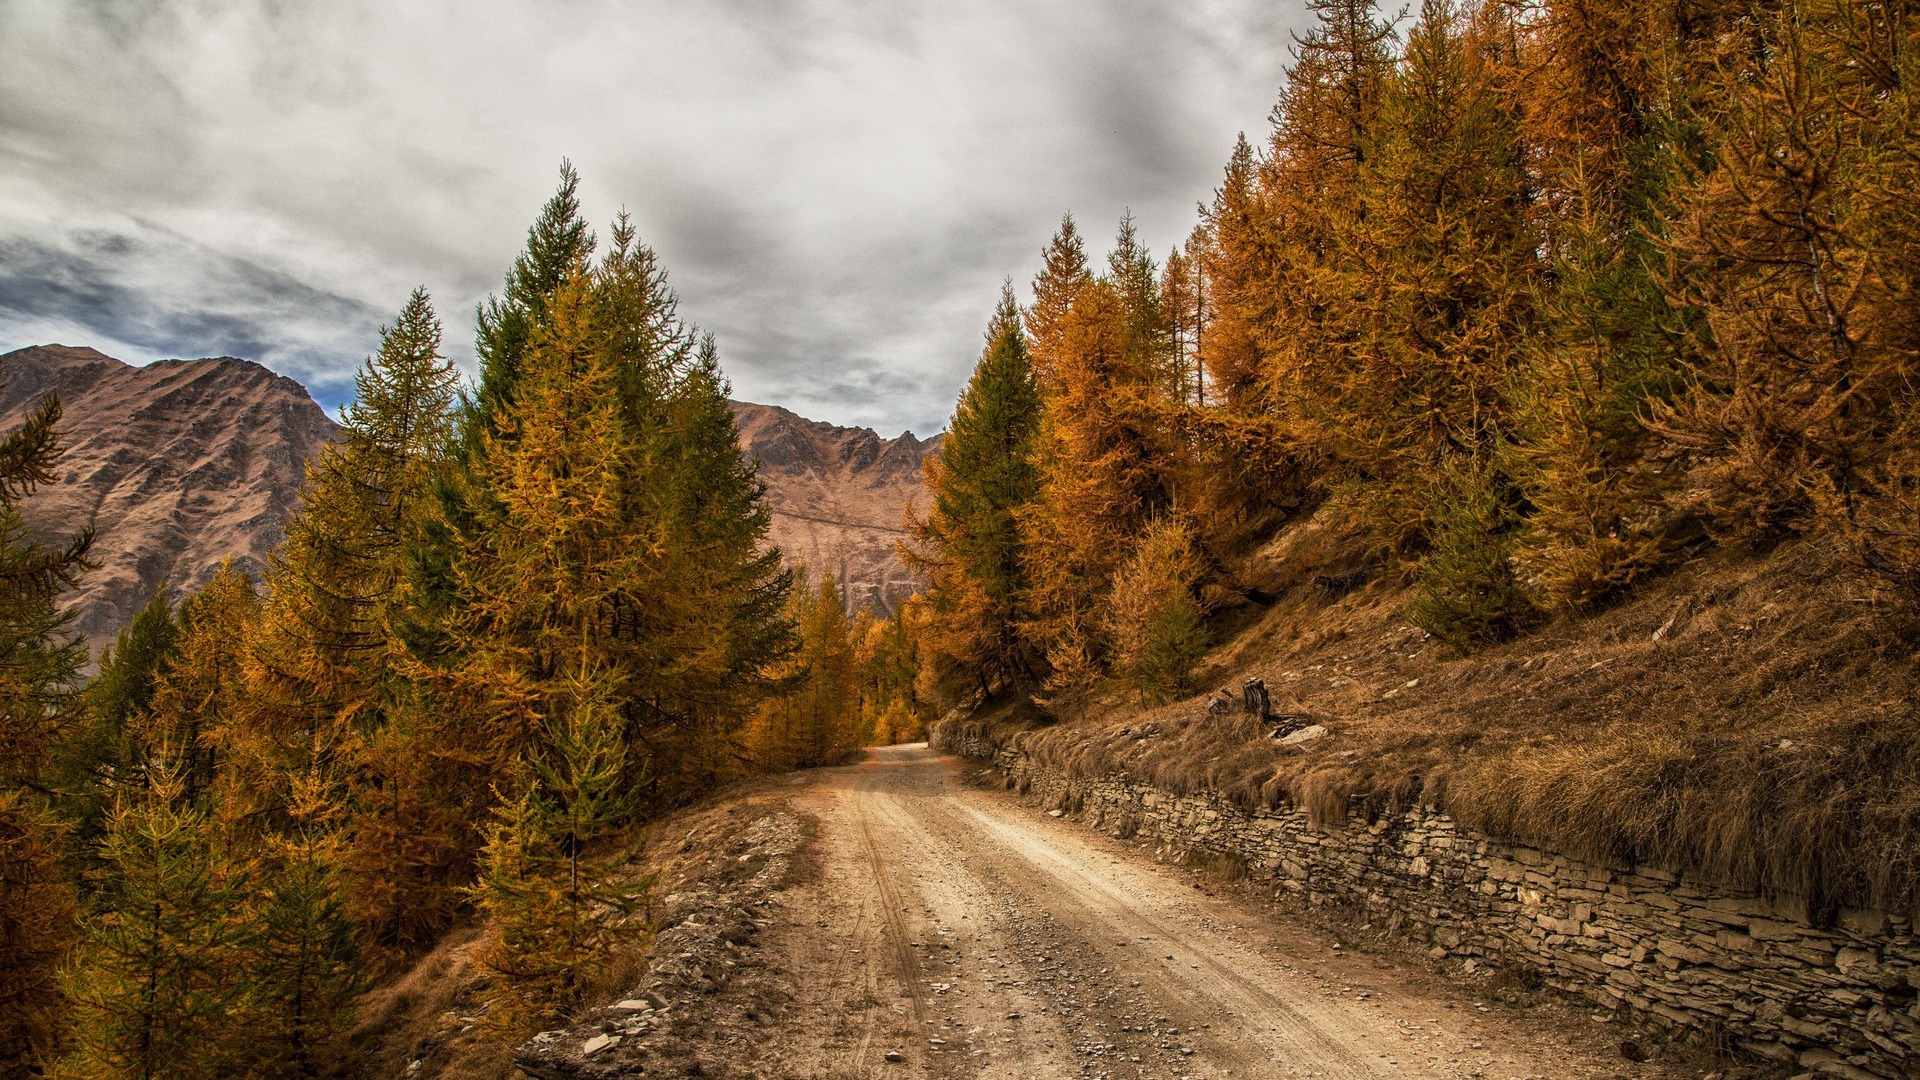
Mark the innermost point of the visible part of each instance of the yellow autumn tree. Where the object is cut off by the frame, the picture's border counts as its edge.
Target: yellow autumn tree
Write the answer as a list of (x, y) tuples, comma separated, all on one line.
[(1154, 616), (1101, 349), (1798, 244)]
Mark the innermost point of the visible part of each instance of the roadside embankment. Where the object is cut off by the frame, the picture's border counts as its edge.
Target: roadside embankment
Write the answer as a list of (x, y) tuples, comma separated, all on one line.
[(1708, 962), (717, 896)]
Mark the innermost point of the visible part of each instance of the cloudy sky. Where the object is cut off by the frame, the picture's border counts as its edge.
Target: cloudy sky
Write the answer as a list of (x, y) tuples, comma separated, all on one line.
[(837, 187)]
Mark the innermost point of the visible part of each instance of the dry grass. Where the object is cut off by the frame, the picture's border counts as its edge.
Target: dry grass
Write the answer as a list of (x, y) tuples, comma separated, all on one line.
[(1751, 719), (1216, 867), (426, 1014)]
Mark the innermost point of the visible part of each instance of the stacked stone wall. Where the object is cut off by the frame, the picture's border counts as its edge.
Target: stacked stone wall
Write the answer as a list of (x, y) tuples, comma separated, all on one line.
[(1835, 1000)]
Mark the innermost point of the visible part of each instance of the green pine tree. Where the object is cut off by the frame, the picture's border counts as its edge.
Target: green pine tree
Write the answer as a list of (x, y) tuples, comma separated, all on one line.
[(107, 751), (558, 244), (39, 706), (153, 986), (968, 546), (719, 633), (39, 658)]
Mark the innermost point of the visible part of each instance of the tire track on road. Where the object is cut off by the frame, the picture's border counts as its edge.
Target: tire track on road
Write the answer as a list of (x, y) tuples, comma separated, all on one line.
[(1083, 900)]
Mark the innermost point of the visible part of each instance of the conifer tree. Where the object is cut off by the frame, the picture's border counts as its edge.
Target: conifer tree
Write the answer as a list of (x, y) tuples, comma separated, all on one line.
[(1468, 591), (1183, 296), (886, 657), (558, 243), (1149, 325), (1439, 276), (36, 929), (1271, 266), (1244, 459), (968, 546), (541, 587), (583, 769), (39, 659), (622, 526), (722, 636), (815, 719), (39, 665), (771, 741), (301, 967), (1291, 234), (107, 752), (1604, 354), (1062, 276), (522, 895), (826, 704), (422, 790), (1154, 616), (869, 687), (203, 705), (602, 557), (1799, 248), (154, 984), (131, 667), (1602, 133), (1333, 93), (1100, 480), (1233, 264), (548, 899), (335, 660), (340, 577)]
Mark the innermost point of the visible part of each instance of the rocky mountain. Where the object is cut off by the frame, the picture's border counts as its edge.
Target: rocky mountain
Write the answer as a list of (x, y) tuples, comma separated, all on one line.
[(840, 497), (181, 464), (177, 465)]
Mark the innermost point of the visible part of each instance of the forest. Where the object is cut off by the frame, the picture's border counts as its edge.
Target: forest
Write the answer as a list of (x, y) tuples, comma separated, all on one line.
[(1538, 300), (505, 629), (1529, 333)]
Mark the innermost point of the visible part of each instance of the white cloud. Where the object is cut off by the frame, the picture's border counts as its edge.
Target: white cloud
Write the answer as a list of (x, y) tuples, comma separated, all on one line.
[(836, 187)]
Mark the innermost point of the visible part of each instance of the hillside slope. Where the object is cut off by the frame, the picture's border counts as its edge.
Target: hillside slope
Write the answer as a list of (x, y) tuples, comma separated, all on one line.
[(1749, 717), (839, 497), (178, 465)]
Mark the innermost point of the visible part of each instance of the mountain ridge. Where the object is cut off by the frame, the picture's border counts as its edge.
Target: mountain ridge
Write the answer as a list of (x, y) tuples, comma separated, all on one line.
[(839, 497), (181, 464), (178, 465)]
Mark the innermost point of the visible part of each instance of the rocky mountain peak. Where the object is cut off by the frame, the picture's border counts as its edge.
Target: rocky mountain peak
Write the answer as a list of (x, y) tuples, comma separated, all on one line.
[(177, 465), (839, 497)]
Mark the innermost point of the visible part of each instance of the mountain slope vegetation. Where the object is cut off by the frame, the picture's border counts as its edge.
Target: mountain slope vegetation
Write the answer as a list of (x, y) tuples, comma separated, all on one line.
[(1534, 411)]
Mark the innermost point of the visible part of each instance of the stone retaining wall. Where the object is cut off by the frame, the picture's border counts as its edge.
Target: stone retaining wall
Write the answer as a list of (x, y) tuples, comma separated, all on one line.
[(1836, 1001)]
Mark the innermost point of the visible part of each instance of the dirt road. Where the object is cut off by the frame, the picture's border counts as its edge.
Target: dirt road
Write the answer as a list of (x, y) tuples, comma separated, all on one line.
[(955, 932)]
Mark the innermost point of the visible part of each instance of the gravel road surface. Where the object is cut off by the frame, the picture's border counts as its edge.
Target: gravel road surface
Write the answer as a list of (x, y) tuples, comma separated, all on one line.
[(953, 931)]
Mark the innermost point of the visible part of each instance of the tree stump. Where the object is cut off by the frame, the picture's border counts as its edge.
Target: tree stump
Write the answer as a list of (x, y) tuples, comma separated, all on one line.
[(1254, 700)]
